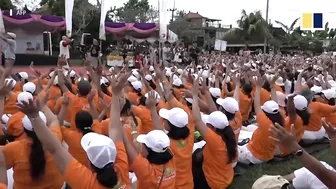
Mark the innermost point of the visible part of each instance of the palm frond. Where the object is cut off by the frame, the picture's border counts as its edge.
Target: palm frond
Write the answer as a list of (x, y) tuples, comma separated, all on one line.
[(293, 24)]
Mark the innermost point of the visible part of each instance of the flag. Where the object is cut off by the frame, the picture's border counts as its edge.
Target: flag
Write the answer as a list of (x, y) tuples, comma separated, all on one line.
[(2, 26), (163, 6), (311, 21), (103, 12), (69, 4)]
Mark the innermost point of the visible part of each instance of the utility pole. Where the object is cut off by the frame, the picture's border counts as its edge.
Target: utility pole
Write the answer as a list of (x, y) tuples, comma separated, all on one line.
[(265, 39), (173, 11)]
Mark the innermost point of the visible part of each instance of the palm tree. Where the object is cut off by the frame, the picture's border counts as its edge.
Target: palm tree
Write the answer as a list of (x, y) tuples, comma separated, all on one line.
[(291, 36), (249, 26)]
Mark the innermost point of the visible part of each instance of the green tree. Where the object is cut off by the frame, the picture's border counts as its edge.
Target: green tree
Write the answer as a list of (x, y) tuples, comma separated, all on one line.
[(250, 26), (6, 4), (291, 36), (136, 11)]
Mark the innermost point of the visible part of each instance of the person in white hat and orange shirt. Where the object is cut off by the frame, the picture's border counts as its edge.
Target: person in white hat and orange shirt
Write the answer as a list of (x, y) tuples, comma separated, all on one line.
[(10, 50)]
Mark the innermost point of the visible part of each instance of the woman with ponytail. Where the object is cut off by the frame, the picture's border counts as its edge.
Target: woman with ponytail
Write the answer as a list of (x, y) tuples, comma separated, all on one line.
[(219, 152), (33, 166), (72, 137)]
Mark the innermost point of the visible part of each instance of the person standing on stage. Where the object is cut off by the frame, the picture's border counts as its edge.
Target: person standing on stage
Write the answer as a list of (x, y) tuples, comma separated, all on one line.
[(64, 49), (95, 51), (9, 48)]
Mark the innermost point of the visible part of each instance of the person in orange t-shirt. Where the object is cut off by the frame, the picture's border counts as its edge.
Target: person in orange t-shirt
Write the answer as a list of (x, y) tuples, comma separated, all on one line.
[(33, 167), (10, 102), (245, 101), (3, 171), (136, 93), (156, 169), (328, 97), (14, 127)]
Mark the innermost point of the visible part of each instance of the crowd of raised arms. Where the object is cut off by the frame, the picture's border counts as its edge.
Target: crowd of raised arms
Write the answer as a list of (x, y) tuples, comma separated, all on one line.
[(160, 127)]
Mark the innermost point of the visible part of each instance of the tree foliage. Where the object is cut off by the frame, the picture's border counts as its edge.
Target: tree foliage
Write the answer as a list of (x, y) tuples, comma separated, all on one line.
[(6, 4), (136, 11)]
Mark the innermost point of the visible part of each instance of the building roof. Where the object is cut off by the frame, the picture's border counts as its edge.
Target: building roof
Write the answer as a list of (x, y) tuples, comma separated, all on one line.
[(192, 15)]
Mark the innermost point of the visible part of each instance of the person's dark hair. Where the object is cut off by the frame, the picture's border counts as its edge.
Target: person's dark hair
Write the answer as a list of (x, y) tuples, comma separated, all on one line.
[(179, 87), (247, 88), (331, 102), (275, 118), (84, 87), (304, 114), (84, 121), (152, 84), (126, 108), (142, 100), (177, 133), (104, 88), (229, 86), (228, 137), (283, 88), (230, 116), (189, 104), (158, 158), (106, 176), (267, 86), (3, 140), (37, 157)]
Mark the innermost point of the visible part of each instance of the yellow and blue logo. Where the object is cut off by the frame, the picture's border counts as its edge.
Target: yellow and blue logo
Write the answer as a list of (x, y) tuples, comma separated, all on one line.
[(312, 21)]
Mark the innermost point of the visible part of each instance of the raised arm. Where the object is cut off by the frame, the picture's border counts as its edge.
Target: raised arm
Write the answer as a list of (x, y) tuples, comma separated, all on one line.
[(257, 106), (196, 114)]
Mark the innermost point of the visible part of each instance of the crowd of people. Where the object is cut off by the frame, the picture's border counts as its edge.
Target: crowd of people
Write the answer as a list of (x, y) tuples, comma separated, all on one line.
[(161, 127)]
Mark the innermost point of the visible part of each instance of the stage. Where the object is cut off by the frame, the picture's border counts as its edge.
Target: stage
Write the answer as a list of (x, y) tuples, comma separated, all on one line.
[(38, 59)]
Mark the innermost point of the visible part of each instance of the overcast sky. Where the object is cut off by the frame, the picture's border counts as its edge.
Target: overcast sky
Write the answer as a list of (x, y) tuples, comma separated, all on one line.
[(229, 11)]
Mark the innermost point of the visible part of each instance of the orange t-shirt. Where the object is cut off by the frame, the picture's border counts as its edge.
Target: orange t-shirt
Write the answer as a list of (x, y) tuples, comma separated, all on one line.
[(17, 157), (217, 169), (10, 103), (245, 105), (182, 150), (261, 146), (3, 186), (17, 87), (264, 96), (150, 175), (299, 130), (331, 118), (133, 98), (317, 111), (79, 176), (278, 88), (73, 138), (146, 119), (14, 126)]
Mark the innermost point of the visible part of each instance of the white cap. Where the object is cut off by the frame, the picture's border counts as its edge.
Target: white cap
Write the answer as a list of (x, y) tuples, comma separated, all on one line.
[(51, 73), (179, 71), (72, 73), (136, 73), (103, 80), (99, 149), (190, 100), (281, 99), (228, 79), (177, 82), (329, 93), (24, 96), (156, 95), (176, 116), (270, 107), (280, 82), (111, 69), (11, 80), (217, 119), (316, 89), (215, 92), (151, 68), (137, 85), (156, 140), (148, 77), (5, 118), (29, 87), (300, 102), (24, 75), (267, 182), (28, 125), (56, 80), (132, 79), (12, 35), (205, 73), (229, 104)]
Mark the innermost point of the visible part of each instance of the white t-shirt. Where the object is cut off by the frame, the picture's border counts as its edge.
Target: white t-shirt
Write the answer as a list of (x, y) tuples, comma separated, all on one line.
[(9, 48), (64, 50), (165, 53)]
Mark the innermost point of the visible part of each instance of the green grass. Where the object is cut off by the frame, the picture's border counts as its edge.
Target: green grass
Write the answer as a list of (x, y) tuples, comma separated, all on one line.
[(281, 168)]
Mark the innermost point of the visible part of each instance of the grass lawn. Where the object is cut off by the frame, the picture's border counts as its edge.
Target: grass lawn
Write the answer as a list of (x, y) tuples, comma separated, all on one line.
[(281, 168)]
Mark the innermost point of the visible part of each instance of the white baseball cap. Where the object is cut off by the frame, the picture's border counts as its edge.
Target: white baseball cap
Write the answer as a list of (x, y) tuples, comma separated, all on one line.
[(103, 80), (148, 77), (329, 93), (177, 82), (24, 96), (78, 80), (156, 140), (29, 87), (280, 82), (179, 71), (24, 75), (72, 73), (136, 73), (132, 79), (176, 116), (190, 100), (217, 119), (99, 149), (11, 80), (316, 89), (151, 68), (215, 92), (270, 107), (27, 123), (56, 80), (281, 99), (300, 102), (156, 95), (137, 85), (5, 118), (267, 182), (229, 104)]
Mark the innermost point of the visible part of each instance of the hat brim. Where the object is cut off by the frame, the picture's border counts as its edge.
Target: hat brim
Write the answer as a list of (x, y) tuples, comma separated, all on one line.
[(164, 113), (142, 138)]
